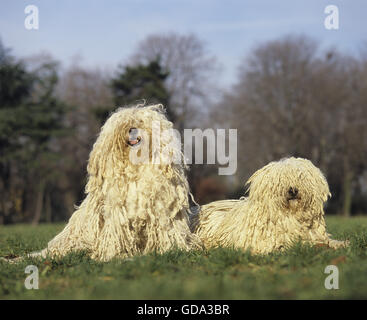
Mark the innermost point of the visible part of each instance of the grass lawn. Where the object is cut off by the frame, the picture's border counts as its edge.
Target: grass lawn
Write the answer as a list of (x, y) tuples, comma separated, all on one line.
[(215, 274)]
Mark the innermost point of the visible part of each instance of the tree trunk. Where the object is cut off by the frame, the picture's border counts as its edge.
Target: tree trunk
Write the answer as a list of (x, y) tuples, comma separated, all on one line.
[(4, 193), (69, 201), (48, 208), (39, 204), (347, 192), (2, 204)]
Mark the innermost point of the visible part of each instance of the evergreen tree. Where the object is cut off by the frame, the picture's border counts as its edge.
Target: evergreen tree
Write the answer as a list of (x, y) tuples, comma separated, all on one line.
[(31, 121), (137, 83)]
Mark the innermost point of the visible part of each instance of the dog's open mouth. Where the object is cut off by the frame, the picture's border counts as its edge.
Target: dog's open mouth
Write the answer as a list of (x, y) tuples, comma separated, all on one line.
[(134, 142), (293, 198), (134, 139), (290, 198)]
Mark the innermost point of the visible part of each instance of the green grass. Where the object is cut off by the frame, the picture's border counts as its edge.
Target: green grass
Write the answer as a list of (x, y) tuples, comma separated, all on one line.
[(215, 274)]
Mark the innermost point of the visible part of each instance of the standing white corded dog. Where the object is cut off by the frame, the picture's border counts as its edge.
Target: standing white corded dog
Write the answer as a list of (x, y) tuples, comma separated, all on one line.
[(285, 204), (136, 195)]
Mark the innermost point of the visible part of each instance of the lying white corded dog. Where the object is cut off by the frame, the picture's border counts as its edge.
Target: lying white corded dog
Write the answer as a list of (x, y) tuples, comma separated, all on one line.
[(137, 196), (285, 204)]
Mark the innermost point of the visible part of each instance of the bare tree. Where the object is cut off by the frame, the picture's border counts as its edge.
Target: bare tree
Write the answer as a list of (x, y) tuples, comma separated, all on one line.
[(266, 103), (292, 100), (189, 83), (190, 69), (85, 90)]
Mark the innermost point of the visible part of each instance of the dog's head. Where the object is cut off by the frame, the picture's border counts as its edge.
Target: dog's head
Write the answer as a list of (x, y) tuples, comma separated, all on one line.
[(134, 136), (291, 184)]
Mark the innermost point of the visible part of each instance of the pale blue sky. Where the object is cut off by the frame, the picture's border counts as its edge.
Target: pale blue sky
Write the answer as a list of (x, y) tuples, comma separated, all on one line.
[(106, 32)]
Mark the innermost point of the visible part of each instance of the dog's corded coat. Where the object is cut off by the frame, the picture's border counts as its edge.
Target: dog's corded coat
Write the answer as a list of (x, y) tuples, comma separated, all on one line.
[(285, 204), (130, 208)]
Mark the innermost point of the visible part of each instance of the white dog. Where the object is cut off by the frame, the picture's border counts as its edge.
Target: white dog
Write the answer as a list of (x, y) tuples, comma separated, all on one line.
[(130, 208), (285, 204)]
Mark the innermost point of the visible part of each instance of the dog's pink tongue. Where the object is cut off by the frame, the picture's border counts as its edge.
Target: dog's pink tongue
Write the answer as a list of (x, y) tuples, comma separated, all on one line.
[(133, 141)]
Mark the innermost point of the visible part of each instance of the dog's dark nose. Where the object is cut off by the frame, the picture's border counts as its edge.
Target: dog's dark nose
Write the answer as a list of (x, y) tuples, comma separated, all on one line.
[(292, 192)]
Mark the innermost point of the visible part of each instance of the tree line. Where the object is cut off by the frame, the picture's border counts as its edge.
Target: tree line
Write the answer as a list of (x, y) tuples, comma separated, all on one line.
[(290, 98)]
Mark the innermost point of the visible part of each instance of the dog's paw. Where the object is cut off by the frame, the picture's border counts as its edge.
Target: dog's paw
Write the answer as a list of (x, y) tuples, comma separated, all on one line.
[(11, 258), (336, 244)]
